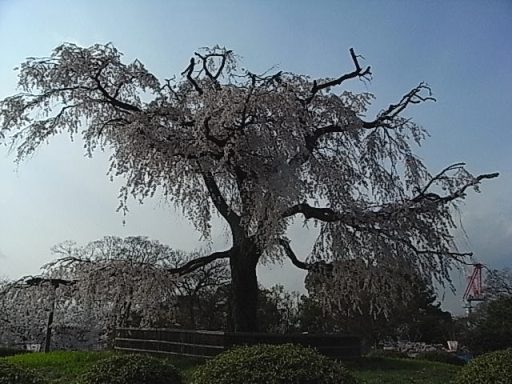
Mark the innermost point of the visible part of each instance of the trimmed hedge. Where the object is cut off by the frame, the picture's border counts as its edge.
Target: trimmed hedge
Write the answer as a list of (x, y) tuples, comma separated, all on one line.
[(132, 369), (490, 368), (14, 374), (272, 364)]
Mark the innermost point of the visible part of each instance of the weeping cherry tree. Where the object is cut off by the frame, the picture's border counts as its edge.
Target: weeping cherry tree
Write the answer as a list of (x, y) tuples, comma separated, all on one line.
[(260, 150)]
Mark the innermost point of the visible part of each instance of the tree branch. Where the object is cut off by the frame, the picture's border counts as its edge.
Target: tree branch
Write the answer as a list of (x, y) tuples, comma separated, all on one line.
[(459, 193), (355, 218), (357, 72), (112, 100), (199, 262), (220, 203), (189, 70), (291, 255), (412, 97)]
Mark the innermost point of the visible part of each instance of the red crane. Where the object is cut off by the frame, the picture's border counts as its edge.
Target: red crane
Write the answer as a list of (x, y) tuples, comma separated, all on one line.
[(474, 289)]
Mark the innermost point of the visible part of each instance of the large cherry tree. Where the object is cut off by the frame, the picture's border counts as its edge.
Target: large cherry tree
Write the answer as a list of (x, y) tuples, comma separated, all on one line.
[(260, 150)]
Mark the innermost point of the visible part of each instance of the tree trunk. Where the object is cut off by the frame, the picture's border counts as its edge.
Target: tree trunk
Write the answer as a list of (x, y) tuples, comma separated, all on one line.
[(244, 286), (49, 323)]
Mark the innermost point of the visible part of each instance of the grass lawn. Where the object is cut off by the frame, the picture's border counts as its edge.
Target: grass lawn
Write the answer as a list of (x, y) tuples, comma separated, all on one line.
[(66, 367), (402, 371)]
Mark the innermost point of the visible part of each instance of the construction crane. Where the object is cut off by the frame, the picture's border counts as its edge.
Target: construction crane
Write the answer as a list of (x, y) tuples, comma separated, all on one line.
[(474, 289)]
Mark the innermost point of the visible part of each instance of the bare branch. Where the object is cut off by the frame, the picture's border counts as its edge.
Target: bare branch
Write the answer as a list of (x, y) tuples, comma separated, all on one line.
[(414, 96), (291, 255), (200, 262), (358, 72), (458, 193), (189, 70)]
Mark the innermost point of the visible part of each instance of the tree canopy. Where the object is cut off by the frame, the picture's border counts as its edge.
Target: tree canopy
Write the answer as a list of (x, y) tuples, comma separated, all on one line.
[(260, 150)]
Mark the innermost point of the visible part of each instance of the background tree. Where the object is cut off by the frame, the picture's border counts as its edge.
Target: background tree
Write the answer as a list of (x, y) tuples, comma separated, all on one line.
[(32, 307), (132, 281), (411, 309), (278, 310), (490, 326), (258, 150), (498, 282), (109, 283)]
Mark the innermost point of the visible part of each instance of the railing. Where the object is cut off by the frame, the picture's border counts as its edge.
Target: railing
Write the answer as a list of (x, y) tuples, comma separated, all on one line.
[(207, 344)]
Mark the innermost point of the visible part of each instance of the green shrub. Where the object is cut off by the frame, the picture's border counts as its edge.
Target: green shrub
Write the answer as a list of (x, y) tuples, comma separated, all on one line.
[(272, 364), (441, 357), (385, 353), (490, 368), (132, 369), (14, 374)]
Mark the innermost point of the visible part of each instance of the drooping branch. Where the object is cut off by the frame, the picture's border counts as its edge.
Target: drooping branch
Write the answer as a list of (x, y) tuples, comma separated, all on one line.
[(460, 257)]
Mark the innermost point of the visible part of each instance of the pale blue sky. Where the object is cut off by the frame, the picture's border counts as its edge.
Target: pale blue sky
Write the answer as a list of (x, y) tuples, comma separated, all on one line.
[(462, 49)]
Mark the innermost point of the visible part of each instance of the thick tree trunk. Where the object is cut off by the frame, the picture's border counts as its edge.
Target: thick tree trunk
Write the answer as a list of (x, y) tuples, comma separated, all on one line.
[(244, 287)]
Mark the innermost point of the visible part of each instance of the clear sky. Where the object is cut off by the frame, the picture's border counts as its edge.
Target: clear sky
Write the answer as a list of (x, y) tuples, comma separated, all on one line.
[(462, 49)]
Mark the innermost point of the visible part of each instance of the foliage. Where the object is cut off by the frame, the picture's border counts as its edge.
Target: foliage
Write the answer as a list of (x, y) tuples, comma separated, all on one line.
[(490, 326), (132, 369), (441, 357), (278, 310), (14, 374), (258, 150), (272, 364), (491, 368)]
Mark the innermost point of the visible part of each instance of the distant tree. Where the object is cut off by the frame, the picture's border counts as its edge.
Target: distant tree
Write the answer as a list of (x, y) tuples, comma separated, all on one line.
[(421, 318), (108, 283), (278, 310), (498, 282), (258, 150), (32, 307), (131, 281), (490, 327)]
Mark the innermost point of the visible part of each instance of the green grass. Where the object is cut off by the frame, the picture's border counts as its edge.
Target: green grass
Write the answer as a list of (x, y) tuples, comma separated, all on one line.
[(60, 367), (66, 367), (402, 371)]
